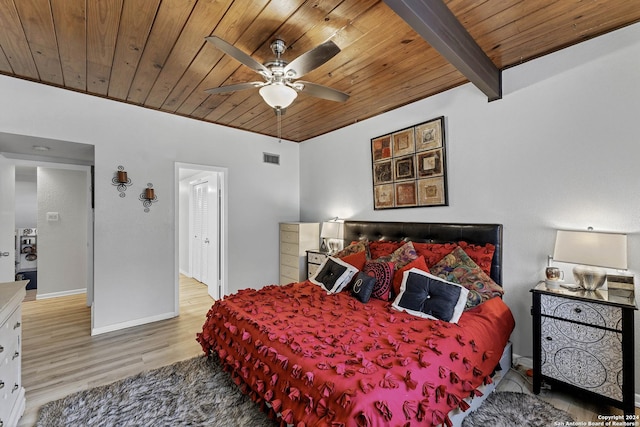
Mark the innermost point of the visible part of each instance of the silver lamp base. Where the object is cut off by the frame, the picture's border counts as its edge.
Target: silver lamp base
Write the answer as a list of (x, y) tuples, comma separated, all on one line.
[(588, 277)]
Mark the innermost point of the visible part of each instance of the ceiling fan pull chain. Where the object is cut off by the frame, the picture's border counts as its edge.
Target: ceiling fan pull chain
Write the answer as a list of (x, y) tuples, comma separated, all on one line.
[(279, 118)]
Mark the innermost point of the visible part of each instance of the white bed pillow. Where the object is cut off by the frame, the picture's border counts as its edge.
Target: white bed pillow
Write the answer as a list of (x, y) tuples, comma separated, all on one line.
[(333, 275), (425, 295)]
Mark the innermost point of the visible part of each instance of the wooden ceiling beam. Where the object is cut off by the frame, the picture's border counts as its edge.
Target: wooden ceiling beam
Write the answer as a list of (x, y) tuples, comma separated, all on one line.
[(435, 23)]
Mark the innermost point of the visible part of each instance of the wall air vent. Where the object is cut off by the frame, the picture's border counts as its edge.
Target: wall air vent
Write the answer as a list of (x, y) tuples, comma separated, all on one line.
[(274, 159)]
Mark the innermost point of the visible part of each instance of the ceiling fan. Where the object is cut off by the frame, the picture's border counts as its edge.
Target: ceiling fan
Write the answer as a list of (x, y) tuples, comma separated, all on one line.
[(280, 88)]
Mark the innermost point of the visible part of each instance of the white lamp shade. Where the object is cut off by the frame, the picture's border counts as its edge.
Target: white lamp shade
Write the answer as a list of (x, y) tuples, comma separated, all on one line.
[(607, 250), (278, 95), (331, 230)]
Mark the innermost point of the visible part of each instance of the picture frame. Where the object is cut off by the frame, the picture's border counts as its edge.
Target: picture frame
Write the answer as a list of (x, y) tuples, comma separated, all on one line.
[(409, 167)]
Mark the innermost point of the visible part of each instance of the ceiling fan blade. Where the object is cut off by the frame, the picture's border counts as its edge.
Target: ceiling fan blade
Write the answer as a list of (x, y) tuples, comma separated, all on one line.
[(323, 92), (239, 55), (312, 59), (233, 88)]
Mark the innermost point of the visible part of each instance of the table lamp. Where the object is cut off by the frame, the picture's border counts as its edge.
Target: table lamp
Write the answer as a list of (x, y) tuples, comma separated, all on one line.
[(591, 251)]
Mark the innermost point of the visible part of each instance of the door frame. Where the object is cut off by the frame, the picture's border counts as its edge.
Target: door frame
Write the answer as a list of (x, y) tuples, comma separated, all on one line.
[(223, 220), (90, 214)]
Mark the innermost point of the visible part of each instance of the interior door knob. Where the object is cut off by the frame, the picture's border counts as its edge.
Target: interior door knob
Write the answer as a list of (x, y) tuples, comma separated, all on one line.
[(4, 254)]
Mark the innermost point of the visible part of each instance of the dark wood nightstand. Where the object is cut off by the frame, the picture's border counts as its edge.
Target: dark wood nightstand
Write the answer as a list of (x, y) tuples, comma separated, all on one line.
[(584, 341)]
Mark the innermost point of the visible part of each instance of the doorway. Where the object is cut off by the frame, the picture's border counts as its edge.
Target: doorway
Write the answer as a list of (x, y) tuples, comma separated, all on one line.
[(49, 224), (201, 232)]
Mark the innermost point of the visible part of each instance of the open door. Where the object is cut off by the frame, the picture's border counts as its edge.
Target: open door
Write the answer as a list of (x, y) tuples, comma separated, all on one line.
[(7, 220)]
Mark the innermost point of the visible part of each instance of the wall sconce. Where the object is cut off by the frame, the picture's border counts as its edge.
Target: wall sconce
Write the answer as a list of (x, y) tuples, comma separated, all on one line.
[(147, 197), (121, 180)]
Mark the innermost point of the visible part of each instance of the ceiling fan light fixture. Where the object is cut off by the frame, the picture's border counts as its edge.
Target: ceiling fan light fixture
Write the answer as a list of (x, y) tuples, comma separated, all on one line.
[(278, 95)]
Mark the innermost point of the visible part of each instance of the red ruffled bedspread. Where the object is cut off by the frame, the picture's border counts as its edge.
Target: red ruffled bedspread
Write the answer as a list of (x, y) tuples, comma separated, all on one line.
[(329, 360)]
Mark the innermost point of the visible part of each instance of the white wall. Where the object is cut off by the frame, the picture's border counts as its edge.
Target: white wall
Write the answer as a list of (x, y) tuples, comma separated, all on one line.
[(62, 244), (26, 198), (560, 150), (135, 265)]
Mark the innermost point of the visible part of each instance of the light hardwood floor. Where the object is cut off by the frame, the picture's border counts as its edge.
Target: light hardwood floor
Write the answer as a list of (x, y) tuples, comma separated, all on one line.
[(581, 410), (61, 357)]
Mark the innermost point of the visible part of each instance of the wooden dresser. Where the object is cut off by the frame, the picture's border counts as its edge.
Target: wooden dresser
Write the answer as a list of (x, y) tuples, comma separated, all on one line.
[(295, 239), (12, 398)]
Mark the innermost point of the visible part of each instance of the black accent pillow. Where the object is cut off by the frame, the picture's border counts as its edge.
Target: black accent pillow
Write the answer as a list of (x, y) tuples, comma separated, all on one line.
[(363, 287), (425, 295), (333, 275)]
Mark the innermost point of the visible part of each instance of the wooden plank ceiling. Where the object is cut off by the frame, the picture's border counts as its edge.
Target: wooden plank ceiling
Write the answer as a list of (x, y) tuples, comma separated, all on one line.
[(153, 53)]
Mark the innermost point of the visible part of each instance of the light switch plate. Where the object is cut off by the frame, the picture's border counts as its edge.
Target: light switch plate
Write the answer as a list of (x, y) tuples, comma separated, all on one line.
[(52, 216)]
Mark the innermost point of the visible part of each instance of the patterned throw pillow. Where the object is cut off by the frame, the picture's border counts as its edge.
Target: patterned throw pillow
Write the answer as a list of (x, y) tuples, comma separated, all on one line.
[(458, 267), (383, 272), (403, 255), (433, 252), (353, 248)]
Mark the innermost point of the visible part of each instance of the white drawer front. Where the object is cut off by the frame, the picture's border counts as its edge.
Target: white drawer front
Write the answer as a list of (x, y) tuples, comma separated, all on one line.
[(292, 272), (289, 237), (289, 249), (285, 280), (289, 260), (602, 315), (587, 357), (9, 333), (289, 227)]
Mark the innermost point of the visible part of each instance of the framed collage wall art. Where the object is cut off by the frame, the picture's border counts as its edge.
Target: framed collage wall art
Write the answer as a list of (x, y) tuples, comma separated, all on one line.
[(409, 167)]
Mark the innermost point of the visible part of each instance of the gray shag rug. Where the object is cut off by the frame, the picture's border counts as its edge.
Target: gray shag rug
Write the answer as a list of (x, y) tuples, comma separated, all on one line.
[(194, 392), (509, 409)]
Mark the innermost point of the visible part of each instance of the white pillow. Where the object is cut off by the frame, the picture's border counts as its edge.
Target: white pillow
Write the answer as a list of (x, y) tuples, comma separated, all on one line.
[(425, 295), (333, 275)]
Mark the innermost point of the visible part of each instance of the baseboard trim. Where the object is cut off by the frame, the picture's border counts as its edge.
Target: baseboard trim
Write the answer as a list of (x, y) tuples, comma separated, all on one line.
[(132, 323), (61, 294)]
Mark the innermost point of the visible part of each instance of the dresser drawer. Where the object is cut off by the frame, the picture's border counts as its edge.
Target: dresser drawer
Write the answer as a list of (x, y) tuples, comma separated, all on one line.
[(581, 355), (9, 334), (289, 236), (289, 260), (289, 249), (585, 312), (292, 272), (289, 227)]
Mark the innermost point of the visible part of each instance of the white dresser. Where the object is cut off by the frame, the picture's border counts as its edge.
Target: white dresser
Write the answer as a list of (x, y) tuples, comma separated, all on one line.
[(12, 400), (295, 239)]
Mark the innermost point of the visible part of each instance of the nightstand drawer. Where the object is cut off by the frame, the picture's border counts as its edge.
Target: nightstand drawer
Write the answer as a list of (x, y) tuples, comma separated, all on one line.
[(585, 312), (581, 355), (312, 268), (315, 257)]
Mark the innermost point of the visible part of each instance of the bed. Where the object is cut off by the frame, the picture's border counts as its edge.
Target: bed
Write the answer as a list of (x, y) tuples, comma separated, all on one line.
[(313, 358)]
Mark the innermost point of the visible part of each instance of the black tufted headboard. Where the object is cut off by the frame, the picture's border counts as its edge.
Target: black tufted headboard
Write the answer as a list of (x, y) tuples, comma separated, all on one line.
[(477, 234)]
